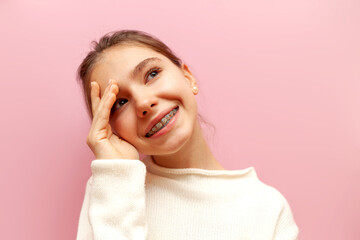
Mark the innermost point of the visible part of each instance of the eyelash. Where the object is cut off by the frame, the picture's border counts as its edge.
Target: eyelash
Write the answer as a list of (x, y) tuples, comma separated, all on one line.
[(154, 69)]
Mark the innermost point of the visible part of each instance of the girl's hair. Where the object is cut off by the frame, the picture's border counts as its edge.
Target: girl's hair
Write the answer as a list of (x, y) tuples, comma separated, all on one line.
[(114, 39)]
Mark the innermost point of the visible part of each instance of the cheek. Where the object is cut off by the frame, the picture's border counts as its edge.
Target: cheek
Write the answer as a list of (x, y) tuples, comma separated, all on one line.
[(124, 128), (174, 86)]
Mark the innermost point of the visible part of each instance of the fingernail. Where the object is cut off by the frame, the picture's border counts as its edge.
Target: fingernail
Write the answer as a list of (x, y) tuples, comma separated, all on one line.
[(92, 84), (110, 81)]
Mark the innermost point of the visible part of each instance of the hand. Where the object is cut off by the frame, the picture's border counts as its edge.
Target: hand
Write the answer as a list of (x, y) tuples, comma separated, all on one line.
[(101, 140)]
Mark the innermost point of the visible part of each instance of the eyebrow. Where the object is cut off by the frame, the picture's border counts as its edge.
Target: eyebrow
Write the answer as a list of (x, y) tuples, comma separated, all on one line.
[(142, 64)]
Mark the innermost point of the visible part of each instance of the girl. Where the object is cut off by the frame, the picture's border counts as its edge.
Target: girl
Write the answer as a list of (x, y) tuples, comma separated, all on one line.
[(141, 99)]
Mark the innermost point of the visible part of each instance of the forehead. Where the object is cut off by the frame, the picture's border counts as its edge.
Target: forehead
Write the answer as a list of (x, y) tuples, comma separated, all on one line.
[(118, 63)]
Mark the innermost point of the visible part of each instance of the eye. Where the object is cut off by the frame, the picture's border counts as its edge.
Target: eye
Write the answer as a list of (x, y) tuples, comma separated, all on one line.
[(118, 104), (152, 73)]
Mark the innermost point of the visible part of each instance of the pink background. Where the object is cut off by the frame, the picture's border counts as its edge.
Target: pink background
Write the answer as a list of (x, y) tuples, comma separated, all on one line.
[(280, 80)]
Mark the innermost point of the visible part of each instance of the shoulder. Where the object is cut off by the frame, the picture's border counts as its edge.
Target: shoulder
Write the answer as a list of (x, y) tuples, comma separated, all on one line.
[(280, 209), (268, 195)]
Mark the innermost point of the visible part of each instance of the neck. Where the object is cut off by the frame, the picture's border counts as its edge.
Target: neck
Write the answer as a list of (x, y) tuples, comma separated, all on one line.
[(194, 154)]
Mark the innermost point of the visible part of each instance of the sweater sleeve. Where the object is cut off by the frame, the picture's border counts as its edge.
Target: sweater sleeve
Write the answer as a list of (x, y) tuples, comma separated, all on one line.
[(114, 202), (286, 228)]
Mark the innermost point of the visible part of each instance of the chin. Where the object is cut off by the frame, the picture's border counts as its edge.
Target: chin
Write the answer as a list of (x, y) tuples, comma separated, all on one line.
[(171, 146)]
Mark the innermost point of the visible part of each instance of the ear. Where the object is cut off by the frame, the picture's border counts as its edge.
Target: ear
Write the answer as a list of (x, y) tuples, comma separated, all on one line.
[(190, 77)]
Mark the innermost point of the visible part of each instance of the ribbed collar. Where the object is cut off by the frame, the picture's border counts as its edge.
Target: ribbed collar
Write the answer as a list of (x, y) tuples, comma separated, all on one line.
[(152, 167)]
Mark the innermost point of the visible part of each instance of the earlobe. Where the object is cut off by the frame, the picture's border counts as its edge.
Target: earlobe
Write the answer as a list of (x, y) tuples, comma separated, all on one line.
[(190, 77), (195, 90)]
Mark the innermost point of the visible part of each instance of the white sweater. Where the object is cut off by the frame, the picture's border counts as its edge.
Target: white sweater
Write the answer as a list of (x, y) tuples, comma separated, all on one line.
[(138, 200)]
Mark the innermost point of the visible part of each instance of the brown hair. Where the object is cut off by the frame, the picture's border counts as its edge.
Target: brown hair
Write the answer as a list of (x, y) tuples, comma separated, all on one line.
[(116, 38)]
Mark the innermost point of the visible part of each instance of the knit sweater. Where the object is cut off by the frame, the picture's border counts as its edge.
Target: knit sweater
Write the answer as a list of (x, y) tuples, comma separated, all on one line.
[(138, 200)]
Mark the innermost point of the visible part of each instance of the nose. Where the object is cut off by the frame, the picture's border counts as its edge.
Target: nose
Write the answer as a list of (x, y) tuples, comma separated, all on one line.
[(145, 103)]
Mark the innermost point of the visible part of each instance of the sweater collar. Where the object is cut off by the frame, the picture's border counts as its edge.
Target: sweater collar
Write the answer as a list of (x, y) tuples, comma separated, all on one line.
[(152, 167)]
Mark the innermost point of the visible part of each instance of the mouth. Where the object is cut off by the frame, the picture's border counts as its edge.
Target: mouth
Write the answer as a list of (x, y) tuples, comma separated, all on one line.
[(162, 123)]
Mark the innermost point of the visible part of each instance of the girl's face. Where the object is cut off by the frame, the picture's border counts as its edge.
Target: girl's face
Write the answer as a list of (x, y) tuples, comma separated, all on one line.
[(150, 87)]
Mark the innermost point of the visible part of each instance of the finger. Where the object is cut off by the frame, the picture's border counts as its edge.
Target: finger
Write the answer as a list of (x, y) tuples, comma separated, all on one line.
[(102, 115), (106, 104), (95, 99), (100, 124), (95, 94)]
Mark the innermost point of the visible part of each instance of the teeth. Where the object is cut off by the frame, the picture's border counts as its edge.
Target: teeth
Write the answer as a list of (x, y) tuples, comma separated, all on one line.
[(162, 123)]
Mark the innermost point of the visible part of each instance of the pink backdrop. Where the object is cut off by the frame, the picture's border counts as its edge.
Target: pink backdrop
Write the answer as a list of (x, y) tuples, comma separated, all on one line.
[(280, 80)]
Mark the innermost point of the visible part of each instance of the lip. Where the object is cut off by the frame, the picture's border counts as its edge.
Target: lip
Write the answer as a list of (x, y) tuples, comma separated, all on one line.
[(158, 118)]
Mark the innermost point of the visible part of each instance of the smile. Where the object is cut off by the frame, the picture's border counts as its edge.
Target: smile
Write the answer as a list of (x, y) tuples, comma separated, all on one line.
[(162, 123)]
